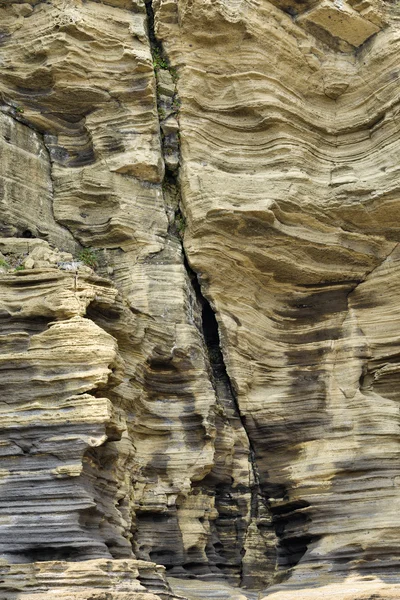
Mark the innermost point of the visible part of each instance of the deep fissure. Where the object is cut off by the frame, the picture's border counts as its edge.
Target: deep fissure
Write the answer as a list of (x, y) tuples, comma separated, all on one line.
[(210, 332), (154, 43), (289, 548), (220, 377)]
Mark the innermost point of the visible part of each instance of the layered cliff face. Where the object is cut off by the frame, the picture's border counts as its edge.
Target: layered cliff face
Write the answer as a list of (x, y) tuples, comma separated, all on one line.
[(199, 284)]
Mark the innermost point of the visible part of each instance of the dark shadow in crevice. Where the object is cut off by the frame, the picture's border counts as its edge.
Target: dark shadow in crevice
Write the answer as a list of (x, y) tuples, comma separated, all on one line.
[(50, 553), (291, 522), (150, 24)]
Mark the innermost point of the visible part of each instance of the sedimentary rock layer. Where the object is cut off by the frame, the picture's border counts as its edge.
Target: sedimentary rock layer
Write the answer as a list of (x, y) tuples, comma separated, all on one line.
[(179, 487), (94, 579), (289, 186), (226, 407), (66, 457)]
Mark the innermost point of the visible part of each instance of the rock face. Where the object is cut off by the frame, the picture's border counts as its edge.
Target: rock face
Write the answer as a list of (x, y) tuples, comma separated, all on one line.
[(199, 277)]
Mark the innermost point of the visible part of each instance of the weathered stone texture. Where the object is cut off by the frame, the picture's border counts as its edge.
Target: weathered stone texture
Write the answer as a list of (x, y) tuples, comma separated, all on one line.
[(94, 579), (235, 423), (26, 187), (289, 190)]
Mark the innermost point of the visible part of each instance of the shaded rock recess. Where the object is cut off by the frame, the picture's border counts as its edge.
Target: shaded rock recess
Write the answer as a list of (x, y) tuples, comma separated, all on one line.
[(199, 289)]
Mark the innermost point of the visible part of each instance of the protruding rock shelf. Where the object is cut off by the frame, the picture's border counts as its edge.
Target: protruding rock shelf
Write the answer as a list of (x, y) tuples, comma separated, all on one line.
[(199, 290)]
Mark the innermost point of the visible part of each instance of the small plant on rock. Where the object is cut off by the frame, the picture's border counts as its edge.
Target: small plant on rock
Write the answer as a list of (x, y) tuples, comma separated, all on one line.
[(176, 104), (174, 74), (89, 257), (180, 223), (4, 264), (158, 61)]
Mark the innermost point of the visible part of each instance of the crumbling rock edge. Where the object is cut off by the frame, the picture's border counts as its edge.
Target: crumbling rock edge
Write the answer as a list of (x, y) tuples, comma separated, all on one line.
[(198, 299)]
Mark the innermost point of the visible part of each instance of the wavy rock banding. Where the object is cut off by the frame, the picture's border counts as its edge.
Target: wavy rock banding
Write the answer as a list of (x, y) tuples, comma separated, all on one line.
[(217, 401)]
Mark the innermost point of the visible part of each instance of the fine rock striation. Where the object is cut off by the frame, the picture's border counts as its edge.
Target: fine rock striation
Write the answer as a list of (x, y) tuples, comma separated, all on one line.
[(289, 185), (199, 273)]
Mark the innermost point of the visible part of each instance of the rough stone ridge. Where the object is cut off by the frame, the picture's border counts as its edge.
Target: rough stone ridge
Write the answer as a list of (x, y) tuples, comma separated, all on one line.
[(51, 422), (289, 191), (199, 276), (94, 579)]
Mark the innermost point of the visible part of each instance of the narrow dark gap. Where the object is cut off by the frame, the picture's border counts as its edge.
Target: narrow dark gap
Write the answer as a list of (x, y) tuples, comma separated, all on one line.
[(33, 326), (221, 379), (290, 529), (168, 104), (290, 550), (291, 521), (154, 43), (215, 355), (50, 553)]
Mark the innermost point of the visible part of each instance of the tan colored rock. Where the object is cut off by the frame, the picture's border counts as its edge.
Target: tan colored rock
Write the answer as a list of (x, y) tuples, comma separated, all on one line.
[(50, 424), (82, 74), (165, 83), (61, 435), (26, 186), (289, 191), (200, 590), (94, 580), (170, 125), (127, 433), (103, 201), (351, 590), (340, 21)]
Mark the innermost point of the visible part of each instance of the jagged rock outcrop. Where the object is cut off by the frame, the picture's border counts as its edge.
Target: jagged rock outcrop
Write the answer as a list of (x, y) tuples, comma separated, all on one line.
[(289, 192), (219, 397), (53, 424), (62, 435), (97, 579)]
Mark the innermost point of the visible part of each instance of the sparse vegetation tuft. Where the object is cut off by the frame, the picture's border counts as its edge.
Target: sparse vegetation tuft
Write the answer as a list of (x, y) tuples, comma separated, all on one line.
[(180, 223), (176, 104), (174, 74), (159, 61), (89, 257)]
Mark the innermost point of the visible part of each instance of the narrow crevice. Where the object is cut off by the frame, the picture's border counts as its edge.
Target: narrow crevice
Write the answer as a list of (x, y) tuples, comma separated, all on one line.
[(168, 105), (154, 43), (168, 102), (225, 392), (211, 337), (290, 519)]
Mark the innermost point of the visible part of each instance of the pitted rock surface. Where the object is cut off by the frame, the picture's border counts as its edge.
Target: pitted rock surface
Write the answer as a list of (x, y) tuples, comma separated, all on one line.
[(199, 281)]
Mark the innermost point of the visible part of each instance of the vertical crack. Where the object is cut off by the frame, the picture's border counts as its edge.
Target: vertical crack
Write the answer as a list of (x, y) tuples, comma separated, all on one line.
[(168, 104), (154, 43), (224, 390), (217, 361)]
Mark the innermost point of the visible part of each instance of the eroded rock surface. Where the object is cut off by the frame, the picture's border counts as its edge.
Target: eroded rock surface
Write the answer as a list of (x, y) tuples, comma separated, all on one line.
[(289, 185), (198, 297)]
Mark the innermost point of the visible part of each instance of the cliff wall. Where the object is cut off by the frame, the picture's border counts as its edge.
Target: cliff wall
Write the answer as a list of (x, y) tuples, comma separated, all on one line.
[(200, 270)]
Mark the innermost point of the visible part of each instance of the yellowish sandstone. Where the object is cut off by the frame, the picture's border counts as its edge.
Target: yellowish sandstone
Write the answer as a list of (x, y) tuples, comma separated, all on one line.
[(199, 276)]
